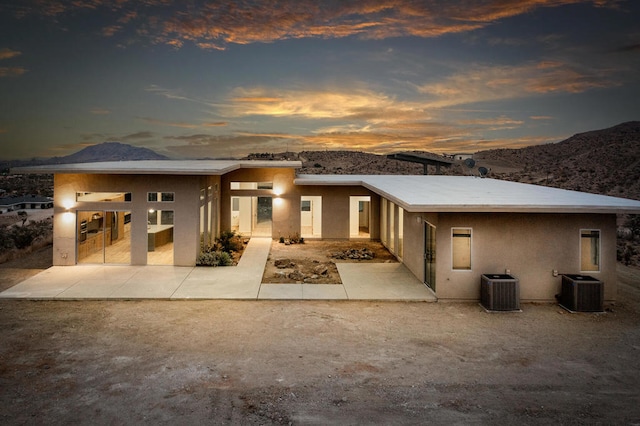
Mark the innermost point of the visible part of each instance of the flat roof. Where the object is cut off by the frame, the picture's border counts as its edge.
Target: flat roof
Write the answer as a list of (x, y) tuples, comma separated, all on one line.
[(142, 167), (420, 193)]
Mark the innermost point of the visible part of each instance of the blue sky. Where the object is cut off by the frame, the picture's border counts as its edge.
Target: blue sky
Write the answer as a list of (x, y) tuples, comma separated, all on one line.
[(195, 79)]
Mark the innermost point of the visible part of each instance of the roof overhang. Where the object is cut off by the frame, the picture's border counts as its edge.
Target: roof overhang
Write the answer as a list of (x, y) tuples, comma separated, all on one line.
[(157, 167), (472, 194)]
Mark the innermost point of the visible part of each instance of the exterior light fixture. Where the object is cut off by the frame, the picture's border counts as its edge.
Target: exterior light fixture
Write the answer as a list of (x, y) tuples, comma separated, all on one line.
[(67, 204)]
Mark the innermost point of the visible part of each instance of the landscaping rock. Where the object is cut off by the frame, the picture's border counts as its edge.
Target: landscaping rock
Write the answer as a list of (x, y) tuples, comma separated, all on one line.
[(284, 263), (296, 275), (354, 254), (321, 269)]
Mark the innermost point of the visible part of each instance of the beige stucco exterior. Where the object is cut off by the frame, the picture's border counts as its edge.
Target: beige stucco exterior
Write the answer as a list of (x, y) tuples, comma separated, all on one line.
[(530, 246), (185, 207), (286, 211)]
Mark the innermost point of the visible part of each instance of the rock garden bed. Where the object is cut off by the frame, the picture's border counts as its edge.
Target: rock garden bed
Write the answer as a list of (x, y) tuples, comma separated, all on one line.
[(314, 262)]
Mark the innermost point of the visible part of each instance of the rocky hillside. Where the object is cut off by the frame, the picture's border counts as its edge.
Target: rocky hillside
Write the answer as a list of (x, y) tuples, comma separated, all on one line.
[(602, 161)]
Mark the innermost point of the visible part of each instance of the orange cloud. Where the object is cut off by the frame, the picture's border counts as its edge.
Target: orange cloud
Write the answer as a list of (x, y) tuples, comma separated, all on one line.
[(12, 71), (213, 25), (8, 53), (489, 83)]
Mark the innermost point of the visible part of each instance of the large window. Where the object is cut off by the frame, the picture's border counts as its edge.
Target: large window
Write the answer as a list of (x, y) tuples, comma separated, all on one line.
[(251, 185), (589, 250), (461, 248), (103, 196)]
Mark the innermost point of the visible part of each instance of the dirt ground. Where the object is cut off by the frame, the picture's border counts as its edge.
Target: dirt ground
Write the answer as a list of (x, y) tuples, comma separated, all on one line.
[(314, 262), (315, 362)]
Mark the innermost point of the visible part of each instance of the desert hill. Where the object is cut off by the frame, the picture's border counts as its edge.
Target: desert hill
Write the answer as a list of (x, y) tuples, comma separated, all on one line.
[(602, 161), (106, 151)]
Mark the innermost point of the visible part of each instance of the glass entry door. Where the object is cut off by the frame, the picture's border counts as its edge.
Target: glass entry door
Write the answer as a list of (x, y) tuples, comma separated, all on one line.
[(430, 255), (252, 215)]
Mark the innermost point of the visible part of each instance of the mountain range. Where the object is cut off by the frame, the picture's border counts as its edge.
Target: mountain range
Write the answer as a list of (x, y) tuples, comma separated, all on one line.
[(106, 151), (603, 161)]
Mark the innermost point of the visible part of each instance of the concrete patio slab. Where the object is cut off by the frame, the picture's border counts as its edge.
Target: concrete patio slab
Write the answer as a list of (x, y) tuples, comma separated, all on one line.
[(280, 291), (323, 292), (377, 281), (382, 281), (90, 289)]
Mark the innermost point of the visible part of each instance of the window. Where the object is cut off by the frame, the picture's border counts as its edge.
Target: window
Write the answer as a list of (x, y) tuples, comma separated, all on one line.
[(166, 217), (589, 250), (305, 205), (103, 196), (160, 196), (461, 248), (251, 185)]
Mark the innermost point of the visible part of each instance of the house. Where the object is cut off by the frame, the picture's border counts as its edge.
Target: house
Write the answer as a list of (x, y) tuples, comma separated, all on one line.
[(9, 204), (447, 230), (462, 156)]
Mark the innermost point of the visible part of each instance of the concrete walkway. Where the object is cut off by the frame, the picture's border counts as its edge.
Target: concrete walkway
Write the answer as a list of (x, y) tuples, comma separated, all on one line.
[(372, 281)]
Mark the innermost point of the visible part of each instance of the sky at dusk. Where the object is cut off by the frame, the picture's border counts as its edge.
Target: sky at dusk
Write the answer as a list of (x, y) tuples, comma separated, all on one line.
[(195, 79)]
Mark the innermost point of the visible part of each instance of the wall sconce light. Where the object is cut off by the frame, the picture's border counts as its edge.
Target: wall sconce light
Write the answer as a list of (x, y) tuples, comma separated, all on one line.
[(68, 216), (67, 204)]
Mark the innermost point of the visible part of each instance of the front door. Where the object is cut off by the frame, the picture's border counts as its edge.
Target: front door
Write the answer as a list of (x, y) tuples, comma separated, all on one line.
[(252, 215), (430, 255)]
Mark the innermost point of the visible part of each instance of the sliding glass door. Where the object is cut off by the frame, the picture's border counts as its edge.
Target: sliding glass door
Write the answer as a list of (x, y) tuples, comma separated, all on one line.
[(104, 236)]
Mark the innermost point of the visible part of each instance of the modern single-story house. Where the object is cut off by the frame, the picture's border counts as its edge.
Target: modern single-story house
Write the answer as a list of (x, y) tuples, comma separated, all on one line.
[(9, 204), (447, 230)]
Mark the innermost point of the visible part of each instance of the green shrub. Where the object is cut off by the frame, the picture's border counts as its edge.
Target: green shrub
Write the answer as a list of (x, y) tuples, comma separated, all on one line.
[(214, 258), (221, 252), (229, 241)]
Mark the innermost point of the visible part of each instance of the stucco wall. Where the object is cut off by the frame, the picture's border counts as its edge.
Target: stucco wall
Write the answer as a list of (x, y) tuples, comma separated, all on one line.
[(185, 207), (530, 246), (286, 206)]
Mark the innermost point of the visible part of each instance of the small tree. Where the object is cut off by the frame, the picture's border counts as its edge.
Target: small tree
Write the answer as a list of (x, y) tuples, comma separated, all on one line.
[(633, 223), (23, 216)]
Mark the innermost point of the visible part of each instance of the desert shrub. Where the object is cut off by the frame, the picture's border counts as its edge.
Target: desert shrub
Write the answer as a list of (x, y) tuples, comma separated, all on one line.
[(296, 239), (229, 241), (221, 252), (225, 259), (214, 258)]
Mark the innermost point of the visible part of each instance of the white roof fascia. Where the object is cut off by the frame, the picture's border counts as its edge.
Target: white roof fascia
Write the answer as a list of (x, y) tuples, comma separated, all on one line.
[(420, 193), (160, 167)]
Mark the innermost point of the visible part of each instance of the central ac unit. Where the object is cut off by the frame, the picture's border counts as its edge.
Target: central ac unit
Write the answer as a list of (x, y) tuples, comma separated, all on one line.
[(500, 292), (582, 293)]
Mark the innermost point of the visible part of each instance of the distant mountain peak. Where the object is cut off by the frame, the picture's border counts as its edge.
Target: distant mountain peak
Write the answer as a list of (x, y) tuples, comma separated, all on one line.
[(110, 151)]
